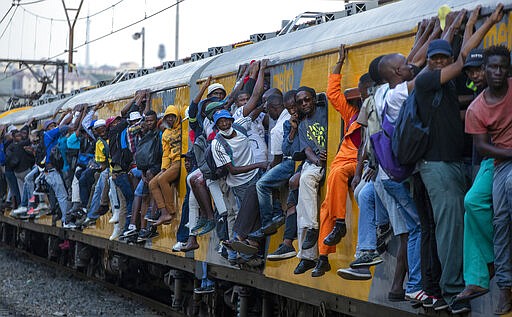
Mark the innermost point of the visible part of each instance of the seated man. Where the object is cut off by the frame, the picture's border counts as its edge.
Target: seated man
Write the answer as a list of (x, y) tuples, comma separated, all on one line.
[(313, 141)]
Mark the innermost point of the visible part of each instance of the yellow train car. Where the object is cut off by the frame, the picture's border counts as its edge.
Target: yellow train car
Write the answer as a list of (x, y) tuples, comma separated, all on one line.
[(304, 57)]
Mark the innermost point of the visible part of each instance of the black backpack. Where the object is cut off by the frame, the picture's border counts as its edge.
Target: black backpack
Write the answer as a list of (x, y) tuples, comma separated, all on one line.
[(149, 151), (411, 136)]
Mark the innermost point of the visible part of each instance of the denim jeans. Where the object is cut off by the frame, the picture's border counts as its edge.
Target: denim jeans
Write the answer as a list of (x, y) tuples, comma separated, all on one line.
[(502, 201), (28, 186), (408, 210), (96, 196), (14, 191), (123, 183), (272, 179), (54, 179), (371, 214), (86, 182), (182, 232)]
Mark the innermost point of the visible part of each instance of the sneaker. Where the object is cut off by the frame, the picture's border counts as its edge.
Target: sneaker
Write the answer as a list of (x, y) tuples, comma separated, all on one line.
[(115, 216), (429, 302), (311, 239), (366, 258), (357, 274), (19, 210), (209, 226), (440, 304), (201, 222), (255, 261), (132, 229), (146, 234), (69, 225), (283, 252), (118, 231), (205, 290), (42, 206), (89, 222), (178, 247), (418, 296), (32, 212), (152, 216), (322, 266), (460, 307), (304, 265)]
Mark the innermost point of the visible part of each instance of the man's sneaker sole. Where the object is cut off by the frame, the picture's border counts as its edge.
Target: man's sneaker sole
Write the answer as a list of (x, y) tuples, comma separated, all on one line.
[(284, 256), (347, 274), (365, 264)]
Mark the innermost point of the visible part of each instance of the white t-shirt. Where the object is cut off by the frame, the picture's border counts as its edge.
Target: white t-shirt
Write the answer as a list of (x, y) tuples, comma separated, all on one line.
[(395, 99), (256, 133), (276, 134), (242, 155)]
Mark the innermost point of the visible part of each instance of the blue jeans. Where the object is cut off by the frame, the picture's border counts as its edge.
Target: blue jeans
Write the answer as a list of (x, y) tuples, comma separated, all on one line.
[(14, 190), (86, 182), (408, 209), (28, 186), (125, 186), (502, 201), (272, 179), (54, 179), (371, 214), (182, 232), (96, 196)]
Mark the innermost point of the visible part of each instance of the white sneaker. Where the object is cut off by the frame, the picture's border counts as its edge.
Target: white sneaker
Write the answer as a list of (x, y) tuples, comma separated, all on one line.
[(115, 216), (117, 232), (69, 225), (42, 206), (19, 210), (178, 246)]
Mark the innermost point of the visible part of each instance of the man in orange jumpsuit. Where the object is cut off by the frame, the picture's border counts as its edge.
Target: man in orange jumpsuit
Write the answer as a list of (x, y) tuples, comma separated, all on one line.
[(343, 167)]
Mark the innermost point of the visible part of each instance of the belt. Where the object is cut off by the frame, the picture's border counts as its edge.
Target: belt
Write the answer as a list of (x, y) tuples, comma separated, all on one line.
[(287, 157)]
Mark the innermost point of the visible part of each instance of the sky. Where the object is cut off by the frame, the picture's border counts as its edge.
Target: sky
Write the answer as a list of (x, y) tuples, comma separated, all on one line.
[(202, 24)]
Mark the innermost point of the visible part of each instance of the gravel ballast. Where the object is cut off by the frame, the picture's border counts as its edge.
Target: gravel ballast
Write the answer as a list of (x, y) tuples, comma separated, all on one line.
[(30, 288)]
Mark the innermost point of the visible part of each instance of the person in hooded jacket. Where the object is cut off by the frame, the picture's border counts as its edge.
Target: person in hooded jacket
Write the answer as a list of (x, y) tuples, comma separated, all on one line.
[(161, 187)]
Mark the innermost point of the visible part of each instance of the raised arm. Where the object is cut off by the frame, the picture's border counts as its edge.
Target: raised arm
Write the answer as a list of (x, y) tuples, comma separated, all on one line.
[(258, 89), (424, 31), (453, 70), (342, 53), (420, 56)]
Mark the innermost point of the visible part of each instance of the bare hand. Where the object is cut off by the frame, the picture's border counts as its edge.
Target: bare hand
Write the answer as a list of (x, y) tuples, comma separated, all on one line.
[(369, 174), (253, 69), (474, 15), (100, 105), (458, 20), (264, 63), (342, 52), (497, 15), (323, 156), (294, 121), (355, 181)]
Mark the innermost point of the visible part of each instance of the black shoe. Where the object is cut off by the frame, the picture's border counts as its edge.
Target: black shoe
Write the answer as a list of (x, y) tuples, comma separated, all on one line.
[(460, 307), (321, 267), (271, 228), (311, 239), (256, 235), (359, 274), (283, 252), (304, 265), (146, 234), (367, 258), (338, 232), (440, 304)]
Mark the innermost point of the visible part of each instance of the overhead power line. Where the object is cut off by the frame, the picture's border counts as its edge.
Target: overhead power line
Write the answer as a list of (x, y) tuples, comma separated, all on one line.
[(12, 5), (64, 20), (101, 37), (8, 23)]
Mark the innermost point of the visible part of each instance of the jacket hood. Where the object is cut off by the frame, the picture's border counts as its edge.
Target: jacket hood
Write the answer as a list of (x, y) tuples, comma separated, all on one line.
[(173, 110)]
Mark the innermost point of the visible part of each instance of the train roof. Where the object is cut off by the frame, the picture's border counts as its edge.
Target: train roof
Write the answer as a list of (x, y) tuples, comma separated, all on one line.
[(377, 23), (39, 112)]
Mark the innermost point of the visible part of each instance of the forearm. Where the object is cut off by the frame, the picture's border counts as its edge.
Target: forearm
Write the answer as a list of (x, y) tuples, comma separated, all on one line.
[(311, 156), (235, 170), (487, 149)]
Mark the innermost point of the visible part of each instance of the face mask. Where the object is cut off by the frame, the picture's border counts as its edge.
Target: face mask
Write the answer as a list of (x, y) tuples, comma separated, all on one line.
[(227, 132)]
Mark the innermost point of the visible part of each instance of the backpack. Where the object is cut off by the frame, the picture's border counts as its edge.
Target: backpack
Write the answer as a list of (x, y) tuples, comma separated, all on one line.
[(126, 154), (383, 150), (56, 158), (204, 156), (149, 151), (410, 138)]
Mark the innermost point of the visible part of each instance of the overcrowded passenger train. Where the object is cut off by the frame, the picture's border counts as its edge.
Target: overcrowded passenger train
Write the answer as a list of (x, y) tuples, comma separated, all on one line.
[(296, 241)]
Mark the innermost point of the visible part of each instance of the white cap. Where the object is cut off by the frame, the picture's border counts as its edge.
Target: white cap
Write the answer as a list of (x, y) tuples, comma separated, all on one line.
[(99, 123), (11, 128), (134, 116), (215, 86)]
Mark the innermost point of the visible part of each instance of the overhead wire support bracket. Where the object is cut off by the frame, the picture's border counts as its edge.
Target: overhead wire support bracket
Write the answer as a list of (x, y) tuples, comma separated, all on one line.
[(71, 32)]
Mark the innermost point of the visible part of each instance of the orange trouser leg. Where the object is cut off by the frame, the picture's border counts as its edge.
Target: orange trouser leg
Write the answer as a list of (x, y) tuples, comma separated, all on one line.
[(334, 205)]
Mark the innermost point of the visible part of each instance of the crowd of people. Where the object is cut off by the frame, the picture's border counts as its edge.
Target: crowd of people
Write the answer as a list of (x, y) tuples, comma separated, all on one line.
[(258, 156)]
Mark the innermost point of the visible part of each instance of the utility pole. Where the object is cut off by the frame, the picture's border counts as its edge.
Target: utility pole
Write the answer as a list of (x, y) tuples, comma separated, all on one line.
[(177, 30), (71, 31)]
